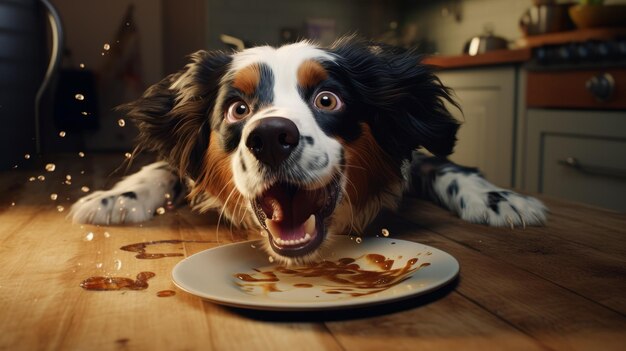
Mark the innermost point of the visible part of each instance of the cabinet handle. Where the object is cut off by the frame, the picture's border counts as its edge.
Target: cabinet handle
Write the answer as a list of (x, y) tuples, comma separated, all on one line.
[(572, 162), (601, 86)]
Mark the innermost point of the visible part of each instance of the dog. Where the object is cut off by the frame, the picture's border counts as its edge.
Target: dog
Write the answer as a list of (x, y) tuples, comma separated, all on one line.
[(302, 142)]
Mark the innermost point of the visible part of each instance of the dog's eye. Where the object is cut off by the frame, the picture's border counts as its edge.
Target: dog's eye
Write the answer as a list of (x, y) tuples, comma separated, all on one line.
[(236, 111), (327, 101)]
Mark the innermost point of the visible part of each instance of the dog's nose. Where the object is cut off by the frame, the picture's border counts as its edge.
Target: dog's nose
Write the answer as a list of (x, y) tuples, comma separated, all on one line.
[(273, 140)]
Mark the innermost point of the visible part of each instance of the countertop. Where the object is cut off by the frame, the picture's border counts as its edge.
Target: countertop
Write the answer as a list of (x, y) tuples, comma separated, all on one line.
[(524, 45), (496, 57), (558, 287)]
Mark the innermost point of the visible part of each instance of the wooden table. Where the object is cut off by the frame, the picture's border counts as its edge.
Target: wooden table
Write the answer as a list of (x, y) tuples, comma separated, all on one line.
[(559, 287)]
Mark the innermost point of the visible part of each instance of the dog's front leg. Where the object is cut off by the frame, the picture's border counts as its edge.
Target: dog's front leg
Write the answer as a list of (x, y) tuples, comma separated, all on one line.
[(464, 191), (135, 199)]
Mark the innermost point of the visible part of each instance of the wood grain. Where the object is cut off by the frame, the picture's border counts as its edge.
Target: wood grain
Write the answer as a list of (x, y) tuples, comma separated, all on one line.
[(590, 272), (556, 317), (558, 287)]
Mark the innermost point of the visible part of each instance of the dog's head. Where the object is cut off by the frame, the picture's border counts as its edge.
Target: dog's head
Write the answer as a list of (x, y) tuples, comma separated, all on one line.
[(302, 141)]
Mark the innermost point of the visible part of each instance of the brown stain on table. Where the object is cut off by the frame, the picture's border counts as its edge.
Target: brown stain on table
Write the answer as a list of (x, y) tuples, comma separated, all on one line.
[(140, 248), (101, 283)]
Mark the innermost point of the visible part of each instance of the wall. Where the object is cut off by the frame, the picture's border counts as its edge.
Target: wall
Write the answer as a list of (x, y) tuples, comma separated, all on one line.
[(260, 22), (184, 30), (450, 36), (88, 25)]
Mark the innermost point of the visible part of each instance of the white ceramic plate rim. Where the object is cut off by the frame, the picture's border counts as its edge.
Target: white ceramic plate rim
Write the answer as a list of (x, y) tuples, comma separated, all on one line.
[(244, 300)]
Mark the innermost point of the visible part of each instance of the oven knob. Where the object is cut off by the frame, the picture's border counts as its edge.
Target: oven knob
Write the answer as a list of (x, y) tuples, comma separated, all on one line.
[(620, 47), (565, 54), (583, 52), (603, 50), (601, 86), (541, 54)]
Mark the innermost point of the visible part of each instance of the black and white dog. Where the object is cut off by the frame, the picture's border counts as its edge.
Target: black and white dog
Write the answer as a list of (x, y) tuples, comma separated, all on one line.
[(302, 142)]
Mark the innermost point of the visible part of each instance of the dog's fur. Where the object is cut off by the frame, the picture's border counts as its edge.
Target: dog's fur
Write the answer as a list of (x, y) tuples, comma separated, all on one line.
[(350, 117)]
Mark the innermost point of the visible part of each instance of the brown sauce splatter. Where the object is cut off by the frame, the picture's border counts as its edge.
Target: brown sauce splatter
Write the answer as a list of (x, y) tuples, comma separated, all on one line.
[(141, 248), (166, 293), (117, 283), (271, 277), (381, 261), (344, 276), (122, 342)]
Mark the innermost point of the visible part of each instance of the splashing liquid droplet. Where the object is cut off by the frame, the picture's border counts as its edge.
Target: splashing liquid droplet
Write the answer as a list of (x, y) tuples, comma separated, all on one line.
[(121, 122), (106, 46), (79, 97), (62, 134), (82, 65), (81, 154), (53, 196), (50, 167), (89, 236), (160, 210), (84, 189), (41, 178), (118, 265), (385, 232), (128, 155), (358, 240), (31, 179), (27, 156), (60, 208)]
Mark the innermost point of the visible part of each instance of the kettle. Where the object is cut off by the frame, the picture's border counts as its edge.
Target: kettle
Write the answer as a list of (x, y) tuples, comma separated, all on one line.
[(27, 71), (483, 43)]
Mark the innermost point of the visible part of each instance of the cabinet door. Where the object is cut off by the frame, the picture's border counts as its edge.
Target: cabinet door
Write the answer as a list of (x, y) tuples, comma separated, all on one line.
[(577, 155), (486, 136)]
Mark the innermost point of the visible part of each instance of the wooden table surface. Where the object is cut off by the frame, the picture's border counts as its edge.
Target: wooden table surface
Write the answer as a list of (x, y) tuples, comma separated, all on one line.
[(559, 287)]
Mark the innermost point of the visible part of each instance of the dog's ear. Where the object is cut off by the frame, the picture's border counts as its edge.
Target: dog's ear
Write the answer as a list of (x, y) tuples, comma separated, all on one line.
[(173, 115), (408, 99)]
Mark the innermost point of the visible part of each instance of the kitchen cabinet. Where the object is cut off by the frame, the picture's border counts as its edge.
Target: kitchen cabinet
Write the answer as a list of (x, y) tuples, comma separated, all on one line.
[(488, 97), (578, 155), (574, 140)]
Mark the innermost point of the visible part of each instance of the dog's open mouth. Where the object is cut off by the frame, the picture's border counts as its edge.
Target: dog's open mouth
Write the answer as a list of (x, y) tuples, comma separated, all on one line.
[(295, 217)]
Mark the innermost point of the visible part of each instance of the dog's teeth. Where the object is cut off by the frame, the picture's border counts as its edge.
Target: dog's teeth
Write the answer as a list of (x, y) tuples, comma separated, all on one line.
[(272, 227), (309, 225), (274, 230)]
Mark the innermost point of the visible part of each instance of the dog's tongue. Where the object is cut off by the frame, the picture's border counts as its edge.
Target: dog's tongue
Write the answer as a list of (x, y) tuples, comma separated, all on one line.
[(290, 208)]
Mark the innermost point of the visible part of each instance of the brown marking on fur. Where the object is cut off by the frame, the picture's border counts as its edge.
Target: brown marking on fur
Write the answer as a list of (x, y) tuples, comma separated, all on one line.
[(311, 73), (216, 177), (247, 79), (370, 170)]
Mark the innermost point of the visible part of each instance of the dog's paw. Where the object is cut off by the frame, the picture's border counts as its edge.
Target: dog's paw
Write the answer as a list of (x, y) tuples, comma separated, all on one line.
[(112, 207), (501, 208), (133, 200)]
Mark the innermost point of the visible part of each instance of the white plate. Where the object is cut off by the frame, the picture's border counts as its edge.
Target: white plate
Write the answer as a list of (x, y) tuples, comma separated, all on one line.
[(211, 274)]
